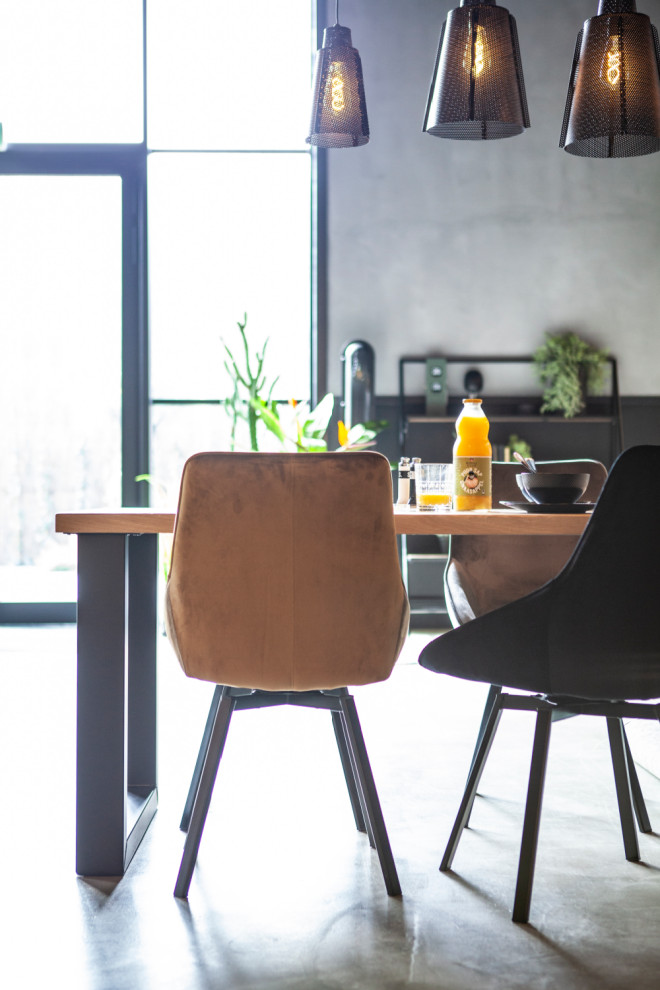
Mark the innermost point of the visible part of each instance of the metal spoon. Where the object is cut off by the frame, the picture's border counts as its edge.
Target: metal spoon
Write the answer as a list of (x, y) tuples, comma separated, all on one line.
[(527, 462)]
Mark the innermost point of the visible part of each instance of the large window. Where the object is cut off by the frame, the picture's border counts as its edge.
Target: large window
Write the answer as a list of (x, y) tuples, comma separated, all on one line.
[(229, 210), (155, 186), (229, 236), (71, 71), (60, 442), (227, 74)]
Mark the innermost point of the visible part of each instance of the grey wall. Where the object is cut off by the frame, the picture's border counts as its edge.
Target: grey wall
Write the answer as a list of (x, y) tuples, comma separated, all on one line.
[(479, 247)]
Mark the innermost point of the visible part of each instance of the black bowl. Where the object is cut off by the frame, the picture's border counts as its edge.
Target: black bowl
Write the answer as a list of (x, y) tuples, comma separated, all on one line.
[(551, 489)]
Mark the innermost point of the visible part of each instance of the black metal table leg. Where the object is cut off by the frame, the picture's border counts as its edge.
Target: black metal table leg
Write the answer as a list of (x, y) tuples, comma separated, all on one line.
[(142, 687), (115, 740)]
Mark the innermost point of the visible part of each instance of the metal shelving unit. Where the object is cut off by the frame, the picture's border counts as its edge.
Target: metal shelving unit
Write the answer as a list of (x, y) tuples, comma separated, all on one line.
[(423, 563), (611, 416)]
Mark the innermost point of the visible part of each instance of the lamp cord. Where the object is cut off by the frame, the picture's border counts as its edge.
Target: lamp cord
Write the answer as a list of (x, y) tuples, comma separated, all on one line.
[(336, 11)]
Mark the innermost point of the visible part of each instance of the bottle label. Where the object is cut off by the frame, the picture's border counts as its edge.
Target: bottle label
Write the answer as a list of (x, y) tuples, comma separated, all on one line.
[(472, 476)]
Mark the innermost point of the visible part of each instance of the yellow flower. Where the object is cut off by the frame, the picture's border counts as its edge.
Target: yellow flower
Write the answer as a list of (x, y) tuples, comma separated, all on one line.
[(342, 434)]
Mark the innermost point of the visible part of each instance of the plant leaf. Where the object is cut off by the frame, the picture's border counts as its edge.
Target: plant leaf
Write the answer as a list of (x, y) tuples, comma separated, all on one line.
[(269, 418), (317, 421), (311, 445)]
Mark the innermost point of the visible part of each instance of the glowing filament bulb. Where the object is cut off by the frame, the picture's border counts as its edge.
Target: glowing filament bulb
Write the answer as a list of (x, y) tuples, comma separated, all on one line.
[(337, 101), (474, 61), (613, 67), (337, 94), (479, 55), (612, 64)]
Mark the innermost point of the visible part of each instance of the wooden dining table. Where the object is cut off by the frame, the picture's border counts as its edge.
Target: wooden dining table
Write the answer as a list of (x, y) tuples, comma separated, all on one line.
[(117, 628)]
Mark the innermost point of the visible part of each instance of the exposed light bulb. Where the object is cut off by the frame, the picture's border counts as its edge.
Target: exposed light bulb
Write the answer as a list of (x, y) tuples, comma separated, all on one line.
[(611, 68), (479, 53), (476, 53), (337, 100)]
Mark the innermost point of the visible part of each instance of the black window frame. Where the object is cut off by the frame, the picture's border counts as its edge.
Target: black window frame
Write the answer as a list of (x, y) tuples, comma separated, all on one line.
[(129, 162)]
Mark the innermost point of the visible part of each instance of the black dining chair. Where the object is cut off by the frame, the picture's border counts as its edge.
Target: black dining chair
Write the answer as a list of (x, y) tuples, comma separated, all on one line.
[(585, 643), (485, 572)]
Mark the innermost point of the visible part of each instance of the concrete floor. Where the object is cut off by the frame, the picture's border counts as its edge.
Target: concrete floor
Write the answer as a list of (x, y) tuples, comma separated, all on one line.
[(287, 895)]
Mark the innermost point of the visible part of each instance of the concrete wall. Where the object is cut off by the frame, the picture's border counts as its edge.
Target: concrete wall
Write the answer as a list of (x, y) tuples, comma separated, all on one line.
[(479, 247)]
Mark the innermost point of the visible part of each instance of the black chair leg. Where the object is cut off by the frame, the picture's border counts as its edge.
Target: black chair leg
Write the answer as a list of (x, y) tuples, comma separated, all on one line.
[(349, 772), (532, 820), (494, 691), (372, 809), (639, 805), (201, 756), (474, 777), (204, 792), (623, 792)]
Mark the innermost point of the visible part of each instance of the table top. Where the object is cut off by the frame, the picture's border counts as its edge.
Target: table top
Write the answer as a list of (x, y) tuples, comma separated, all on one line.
[(407, 521)]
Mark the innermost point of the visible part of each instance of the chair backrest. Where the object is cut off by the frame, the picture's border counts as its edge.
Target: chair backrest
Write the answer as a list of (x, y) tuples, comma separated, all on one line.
[(606, 599), (486, 572), (593, 631), (284, 572)]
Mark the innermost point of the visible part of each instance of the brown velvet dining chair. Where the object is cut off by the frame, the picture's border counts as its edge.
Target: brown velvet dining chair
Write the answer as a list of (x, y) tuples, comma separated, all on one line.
[(284, 589), (485, 572), (585, 643)]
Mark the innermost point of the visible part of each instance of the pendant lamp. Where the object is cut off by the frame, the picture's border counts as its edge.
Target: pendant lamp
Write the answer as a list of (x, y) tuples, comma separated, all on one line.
[(339, 109), (477, 91), (613, 104)]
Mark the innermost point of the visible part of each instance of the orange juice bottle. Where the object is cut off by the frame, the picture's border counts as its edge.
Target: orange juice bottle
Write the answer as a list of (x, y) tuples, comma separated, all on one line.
[(473, 457)]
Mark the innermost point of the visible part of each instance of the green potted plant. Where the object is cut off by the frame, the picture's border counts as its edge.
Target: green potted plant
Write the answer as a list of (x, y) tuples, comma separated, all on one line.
[(295, 425), (569, 368)]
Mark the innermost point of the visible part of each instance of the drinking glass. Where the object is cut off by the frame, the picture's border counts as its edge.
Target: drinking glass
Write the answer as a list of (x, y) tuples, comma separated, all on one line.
[(434, 484)]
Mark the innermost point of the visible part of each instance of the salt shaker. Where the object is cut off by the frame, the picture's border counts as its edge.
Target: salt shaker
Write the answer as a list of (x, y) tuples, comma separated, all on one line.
[(403, 491)]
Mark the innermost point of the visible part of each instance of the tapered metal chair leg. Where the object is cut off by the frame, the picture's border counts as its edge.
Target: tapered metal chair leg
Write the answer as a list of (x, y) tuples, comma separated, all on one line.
[(349, 771), (639, 805), (368, 824), (494, 691), (623, 792), (201, 756), (530, 836), (372, 809), (204, 792), (470, 791)]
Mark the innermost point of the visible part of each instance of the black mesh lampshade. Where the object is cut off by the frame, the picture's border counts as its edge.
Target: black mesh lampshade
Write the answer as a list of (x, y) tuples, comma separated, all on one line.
[(477, 92), (339, 110), (613, 105)]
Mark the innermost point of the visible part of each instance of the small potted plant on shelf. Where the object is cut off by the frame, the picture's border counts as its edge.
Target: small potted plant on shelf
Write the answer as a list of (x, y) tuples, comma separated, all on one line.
[(569, 368)]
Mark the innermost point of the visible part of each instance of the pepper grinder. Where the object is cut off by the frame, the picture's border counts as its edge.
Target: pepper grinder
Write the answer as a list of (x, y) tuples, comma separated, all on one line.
[(412, 499)]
